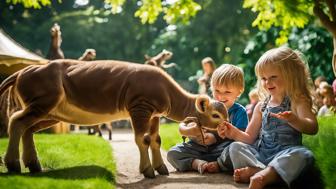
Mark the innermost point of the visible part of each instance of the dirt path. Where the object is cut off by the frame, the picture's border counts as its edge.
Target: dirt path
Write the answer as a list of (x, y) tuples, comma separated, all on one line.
[(127, 160)]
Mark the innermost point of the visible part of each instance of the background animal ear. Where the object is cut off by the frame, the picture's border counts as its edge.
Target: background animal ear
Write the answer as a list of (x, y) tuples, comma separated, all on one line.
[(147, 57), (202, 102)]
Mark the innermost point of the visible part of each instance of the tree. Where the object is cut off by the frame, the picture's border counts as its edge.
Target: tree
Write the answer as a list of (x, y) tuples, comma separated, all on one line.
[(294, 13), (148, 11), (286, 14)]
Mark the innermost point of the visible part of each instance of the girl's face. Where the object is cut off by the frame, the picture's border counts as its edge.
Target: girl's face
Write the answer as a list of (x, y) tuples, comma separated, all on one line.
[(273, 82), (207, 68)]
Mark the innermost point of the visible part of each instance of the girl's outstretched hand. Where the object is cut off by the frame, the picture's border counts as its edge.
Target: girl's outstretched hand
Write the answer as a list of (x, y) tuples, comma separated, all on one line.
[(288, 116), (225, 129)]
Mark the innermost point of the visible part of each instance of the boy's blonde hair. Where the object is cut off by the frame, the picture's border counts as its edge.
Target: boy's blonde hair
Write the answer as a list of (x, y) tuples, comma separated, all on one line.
[(228, 75), (294, 71)]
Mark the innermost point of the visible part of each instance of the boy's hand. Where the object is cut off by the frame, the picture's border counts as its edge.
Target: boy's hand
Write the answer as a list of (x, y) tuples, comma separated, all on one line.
[(225, 129), (288, 116), (190, 129)]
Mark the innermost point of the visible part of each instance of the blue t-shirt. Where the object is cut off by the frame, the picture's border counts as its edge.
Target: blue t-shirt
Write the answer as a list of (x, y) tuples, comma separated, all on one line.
[(238, 116)]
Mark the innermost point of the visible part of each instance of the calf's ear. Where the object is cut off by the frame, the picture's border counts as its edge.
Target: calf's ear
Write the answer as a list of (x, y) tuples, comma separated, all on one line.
[(202, 103)]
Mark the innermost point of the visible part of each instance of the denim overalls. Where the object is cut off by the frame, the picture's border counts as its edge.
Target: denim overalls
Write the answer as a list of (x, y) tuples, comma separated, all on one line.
[(279, 146)]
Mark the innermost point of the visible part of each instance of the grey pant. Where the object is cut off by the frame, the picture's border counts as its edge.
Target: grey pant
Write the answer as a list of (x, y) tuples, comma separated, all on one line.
[(182, 155), (289, 163)]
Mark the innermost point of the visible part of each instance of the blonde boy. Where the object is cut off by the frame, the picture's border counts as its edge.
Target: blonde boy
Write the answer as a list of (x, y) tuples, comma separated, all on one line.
[(227, 84)]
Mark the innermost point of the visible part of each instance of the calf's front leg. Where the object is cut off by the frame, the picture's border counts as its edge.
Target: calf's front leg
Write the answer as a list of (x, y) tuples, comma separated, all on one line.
[(140, 123)]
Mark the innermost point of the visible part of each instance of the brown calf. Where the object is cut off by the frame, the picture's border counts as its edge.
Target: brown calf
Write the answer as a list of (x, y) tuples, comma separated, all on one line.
[(89, 93)]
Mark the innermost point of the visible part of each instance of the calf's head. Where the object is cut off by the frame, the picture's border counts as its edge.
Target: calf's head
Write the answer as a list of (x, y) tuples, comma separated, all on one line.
[(210, 112)]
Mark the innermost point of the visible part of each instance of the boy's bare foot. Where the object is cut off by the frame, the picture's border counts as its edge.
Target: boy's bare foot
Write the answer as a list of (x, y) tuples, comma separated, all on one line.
[(244, 174), (213, 167), (200, 165), (257, 181)]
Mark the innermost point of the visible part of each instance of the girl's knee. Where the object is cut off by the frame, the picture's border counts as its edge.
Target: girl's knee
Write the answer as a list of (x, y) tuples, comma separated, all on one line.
[(235, 148)]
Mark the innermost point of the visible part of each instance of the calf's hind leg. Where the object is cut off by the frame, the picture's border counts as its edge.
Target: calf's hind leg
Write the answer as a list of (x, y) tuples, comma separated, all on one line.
[(29, 155), (155, 143), (18, 123)]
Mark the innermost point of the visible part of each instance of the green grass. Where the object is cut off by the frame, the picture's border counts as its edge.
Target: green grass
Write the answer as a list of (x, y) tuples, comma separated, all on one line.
[(323, 146), (69, 161), (169, 135)]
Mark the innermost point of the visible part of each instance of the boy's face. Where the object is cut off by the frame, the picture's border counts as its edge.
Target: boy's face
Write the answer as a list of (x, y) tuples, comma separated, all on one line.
[(226, 94)]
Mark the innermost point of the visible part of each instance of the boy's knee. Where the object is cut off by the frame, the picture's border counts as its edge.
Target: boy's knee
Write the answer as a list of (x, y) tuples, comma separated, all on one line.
[(172, 155)]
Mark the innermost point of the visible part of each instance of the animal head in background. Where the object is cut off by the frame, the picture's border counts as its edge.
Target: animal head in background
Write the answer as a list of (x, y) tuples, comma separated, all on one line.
[(160, 59), (88, 55)]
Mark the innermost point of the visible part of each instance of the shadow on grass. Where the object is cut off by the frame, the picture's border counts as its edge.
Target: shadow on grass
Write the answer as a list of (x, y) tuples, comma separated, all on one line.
[(79, 172)]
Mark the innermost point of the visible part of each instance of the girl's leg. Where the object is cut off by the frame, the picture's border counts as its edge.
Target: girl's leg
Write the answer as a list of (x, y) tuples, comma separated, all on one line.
[(263, 178), (291, 162), (245, 163)]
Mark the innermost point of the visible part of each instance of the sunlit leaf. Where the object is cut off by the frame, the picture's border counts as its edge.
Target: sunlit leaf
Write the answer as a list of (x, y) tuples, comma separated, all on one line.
[(31, 3), (280, 13)]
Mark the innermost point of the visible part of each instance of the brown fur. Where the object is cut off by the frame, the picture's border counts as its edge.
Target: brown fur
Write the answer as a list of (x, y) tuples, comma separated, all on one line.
[(89, 93)]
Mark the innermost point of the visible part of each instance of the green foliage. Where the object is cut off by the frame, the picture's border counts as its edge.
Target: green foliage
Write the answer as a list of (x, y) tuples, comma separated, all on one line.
[(37, 4), (323, 145), (149, 11), (169, 135), (181, 11), (280, 13), (116, 5), (220, 31), (70, 161), (316, 45)]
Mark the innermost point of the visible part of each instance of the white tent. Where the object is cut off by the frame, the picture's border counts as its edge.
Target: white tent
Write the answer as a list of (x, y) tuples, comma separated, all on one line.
[(14, 57)]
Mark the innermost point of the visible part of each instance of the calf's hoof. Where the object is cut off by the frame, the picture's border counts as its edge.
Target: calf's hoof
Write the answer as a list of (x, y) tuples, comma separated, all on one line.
[(162, 170), (34, 167), (13, 167), (149, 172)]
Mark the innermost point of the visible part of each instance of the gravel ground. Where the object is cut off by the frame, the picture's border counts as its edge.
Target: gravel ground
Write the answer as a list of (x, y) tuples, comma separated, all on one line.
[(127, 160)]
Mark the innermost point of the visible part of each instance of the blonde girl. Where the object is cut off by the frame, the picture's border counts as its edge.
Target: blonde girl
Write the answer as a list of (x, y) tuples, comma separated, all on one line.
[(270, 150)]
